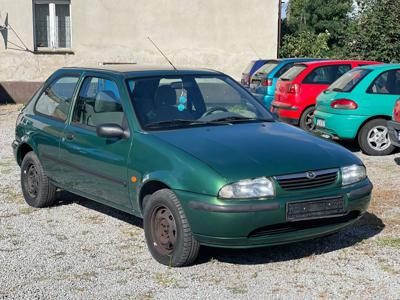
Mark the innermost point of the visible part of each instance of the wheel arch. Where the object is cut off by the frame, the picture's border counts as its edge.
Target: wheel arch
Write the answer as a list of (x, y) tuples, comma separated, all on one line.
[(150, 187), (385, 117), (23, 150)]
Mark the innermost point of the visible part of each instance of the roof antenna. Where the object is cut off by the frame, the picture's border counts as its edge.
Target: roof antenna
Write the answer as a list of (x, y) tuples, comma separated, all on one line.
[(166, 58), (255, 52)]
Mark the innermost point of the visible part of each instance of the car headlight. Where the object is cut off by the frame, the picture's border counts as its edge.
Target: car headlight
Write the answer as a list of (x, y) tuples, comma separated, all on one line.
[(353, 174), (251, 188)]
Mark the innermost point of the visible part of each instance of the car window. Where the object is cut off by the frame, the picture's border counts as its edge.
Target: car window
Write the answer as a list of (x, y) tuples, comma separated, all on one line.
[(326, 74), (190, 97), (349, 81), (283, 70), (56, 98), (293, 72), (386, 83), (266, 69), (98, 102)]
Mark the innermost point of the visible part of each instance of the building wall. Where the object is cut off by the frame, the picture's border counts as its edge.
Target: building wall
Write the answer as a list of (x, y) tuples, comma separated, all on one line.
[(213, 33)]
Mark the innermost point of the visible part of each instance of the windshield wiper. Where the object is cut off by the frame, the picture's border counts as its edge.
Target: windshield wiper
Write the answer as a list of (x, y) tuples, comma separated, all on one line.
[(178, 122), (237, 119)]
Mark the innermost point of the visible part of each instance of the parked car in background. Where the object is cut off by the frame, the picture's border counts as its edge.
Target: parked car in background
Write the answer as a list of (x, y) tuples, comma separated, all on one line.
[(162, 144), (358, 106), (263, 82), (252, 67), (394, 126), (298, 88)]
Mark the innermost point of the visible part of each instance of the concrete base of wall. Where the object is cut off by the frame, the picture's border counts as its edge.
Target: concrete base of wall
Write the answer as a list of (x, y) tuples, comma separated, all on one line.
[(17, 91)]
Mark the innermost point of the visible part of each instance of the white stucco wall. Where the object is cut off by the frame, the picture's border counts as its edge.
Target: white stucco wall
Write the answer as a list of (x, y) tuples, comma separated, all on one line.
[(202, 33)]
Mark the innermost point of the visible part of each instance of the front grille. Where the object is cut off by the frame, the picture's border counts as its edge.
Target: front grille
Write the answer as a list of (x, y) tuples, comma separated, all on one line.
[(302, 225), (303, 181)]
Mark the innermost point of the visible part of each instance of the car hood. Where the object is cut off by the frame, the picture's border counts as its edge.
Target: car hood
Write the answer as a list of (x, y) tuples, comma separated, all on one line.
[(253, 150)]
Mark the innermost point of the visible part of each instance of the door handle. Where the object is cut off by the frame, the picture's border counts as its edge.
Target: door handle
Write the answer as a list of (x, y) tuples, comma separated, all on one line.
[(69, 136)]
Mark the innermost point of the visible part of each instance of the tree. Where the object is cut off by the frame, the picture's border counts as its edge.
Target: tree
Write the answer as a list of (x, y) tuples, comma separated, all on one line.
[(375, 32), (305, 44)]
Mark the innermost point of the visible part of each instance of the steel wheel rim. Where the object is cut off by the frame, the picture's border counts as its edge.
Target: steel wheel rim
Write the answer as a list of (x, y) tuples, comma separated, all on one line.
[(310, 121), (163, 230), (32, 181), (378, 138)]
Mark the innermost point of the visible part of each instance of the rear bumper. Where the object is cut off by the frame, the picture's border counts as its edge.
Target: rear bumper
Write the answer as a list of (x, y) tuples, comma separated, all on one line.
[(287, 112), (394, 132), (339, 126), (247, 224)]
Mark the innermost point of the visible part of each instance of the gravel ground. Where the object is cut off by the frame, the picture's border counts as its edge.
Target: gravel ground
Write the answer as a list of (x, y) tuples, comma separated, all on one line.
[(81, 249)]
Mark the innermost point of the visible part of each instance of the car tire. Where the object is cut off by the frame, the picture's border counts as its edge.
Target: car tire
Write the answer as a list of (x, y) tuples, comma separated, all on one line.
[(167, 230), (36, 188), (373, 138), (307, 119)]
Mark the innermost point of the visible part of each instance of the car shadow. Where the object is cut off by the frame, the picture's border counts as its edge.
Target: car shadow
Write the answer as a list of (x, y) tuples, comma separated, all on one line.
[(397, 161), (368, 226), (350, 145)]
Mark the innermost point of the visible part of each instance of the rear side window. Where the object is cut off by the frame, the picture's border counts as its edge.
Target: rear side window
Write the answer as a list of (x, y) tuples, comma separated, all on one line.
[(283, 70), (349, 81), (326, 74), (293, 72), (386, 83), (267, 68), (56, 98), (98, 103)]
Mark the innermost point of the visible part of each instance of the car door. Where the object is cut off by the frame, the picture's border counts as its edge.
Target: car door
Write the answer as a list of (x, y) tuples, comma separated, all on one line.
[(50, 114), (94, 166), (382, 94)]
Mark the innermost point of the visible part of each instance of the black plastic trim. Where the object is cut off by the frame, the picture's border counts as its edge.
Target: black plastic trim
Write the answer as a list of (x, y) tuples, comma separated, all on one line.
[(243, 208), (362, 191)]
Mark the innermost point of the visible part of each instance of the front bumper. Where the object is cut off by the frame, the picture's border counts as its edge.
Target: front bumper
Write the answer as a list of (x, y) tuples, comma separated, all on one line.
[(233, 224), (339, 126), (394, 132)]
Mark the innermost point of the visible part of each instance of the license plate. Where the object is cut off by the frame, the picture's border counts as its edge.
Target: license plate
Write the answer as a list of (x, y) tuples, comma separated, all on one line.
[(315, 209), (320, 123), (398, 135)]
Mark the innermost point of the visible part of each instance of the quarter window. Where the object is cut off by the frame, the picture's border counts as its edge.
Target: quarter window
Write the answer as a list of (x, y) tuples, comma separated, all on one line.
[(99, 102), (56, 99), (326, 74), (52, 24), (386, 83)]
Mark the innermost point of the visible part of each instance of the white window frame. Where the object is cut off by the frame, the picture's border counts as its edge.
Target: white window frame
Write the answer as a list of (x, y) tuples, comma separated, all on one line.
[(52, 20)]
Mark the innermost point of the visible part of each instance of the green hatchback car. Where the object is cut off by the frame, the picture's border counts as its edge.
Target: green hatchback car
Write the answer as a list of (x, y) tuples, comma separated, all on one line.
[(358, 106), (189, 151)]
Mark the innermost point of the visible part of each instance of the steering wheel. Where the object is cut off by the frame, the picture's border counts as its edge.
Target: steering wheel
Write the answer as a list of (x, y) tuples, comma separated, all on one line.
[(214, 109)]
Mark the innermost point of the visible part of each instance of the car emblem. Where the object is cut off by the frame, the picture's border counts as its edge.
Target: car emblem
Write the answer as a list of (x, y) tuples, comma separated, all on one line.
[(311, 175)]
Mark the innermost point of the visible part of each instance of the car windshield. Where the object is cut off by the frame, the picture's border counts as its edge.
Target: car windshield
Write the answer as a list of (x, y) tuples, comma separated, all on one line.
[(348, 81), (266, 69), (193, 100), (293, 72)]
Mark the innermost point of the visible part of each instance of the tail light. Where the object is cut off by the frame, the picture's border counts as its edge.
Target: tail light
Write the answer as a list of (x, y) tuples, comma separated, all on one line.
[(344, 104), (267, 82), (396, 111), (293, 88)]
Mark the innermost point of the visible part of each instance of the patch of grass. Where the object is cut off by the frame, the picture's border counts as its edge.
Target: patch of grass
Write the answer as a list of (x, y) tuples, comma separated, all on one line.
[(389, 242), (165, 280), (27, 210)]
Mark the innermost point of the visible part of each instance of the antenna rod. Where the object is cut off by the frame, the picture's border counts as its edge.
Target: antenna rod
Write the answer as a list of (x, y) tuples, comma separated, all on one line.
[(162, 54)]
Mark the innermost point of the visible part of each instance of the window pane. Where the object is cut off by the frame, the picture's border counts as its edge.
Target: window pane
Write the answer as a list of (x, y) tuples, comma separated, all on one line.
[(327, 74), (348, 81), (42, 25), (98, 103), (56, 99), (387, 83), (63, 26), (293, 72)]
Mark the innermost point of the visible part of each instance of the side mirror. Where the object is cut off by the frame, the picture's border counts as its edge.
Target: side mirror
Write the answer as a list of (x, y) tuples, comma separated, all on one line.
[(111, 131)]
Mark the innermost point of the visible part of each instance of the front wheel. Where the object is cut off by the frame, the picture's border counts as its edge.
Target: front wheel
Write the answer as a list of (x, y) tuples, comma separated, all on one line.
[(307, 119), (168, 234), (374, 138)]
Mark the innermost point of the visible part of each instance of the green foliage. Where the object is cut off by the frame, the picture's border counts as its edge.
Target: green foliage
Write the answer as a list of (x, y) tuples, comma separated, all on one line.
[(305, 44), (374, 33)]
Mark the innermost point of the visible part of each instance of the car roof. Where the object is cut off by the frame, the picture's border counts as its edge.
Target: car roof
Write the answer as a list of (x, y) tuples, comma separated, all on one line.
[(382, 67), (336, 62), (133, 70)]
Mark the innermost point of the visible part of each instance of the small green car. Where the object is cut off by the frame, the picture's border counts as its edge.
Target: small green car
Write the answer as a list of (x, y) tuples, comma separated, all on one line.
[(189, 151), (358, 106)]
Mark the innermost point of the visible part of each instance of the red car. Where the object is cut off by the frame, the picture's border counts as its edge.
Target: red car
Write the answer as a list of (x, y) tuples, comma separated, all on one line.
[(297, 89)]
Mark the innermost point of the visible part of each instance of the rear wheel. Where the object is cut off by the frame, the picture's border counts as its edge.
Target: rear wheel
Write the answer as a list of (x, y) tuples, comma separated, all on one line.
[(374, 138), (307, 119), (168, 234), (36, 188)]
